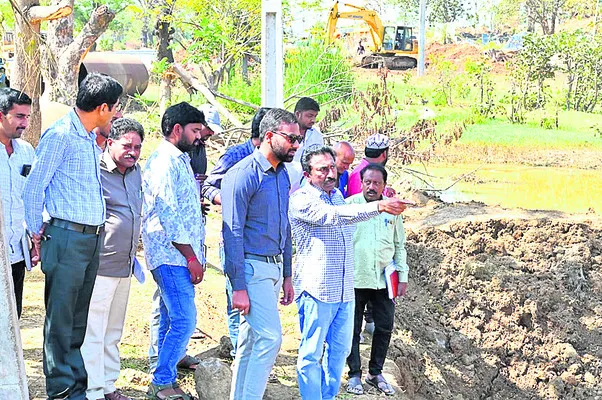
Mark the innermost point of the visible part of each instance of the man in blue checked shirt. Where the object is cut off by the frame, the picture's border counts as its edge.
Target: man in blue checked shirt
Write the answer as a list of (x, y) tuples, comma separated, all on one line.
[(212, 191), (65, 179), (258, 249), (323, 227), (173, 235)]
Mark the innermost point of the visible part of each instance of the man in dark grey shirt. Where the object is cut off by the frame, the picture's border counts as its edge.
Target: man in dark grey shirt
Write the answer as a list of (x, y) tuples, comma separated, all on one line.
[(122, 190)]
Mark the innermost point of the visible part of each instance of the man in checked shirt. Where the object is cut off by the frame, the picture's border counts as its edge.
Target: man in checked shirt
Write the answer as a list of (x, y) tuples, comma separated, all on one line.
[(65, 179), (323, 227)]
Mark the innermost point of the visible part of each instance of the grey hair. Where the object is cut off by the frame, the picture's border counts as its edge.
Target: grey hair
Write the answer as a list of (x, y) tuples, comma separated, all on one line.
[(315, 150), (273, 119)]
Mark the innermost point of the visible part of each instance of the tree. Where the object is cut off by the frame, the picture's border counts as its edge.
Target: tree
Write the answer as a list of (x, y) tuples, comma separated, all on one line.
[(164, 32), (545, 13), (65, 53), (27, 77)]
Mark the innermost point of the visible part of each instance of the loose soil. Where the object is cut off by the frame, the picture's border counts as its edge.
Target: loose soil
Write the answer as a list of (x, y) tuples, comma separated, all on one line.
[(502, 304)]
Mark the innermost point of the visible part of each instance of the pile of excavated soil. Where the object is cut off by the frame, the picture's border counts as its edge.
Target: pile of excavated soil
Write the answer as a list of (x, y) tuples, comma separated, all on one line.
[(502, 309)]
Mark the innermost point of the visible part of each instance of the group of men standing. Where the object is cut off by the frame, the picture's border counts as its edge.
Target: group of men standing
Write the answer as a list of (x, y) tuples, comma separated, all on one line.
[(85, 210)]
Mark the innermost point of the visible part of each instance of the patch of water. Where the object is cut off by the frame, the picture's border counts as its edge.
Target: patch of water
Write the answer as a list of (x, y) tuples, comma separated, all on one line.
[(511, 186)]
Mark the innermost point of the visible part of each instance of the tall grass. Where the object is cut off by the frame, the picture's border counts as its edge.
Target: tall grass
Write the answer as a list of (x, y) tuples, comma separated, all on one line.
[(319, 71)]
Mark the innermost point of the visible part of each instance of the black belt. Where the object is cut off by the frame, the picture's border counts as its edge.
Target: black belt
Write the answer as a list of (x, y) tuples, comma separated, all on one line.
[(267, 259), (73, 226)]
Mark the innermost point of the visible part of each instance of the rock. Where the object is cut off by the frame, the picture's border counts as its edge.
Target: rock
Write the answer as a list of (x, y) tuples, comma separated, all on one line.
[(589, 378), (565, 351), (568, 378), (212, 379), (440, 339)]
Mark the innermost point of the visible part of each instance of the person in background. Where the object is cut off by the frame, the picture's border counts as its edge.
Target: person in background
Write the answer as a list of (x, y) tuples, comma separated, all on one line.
[(65, 181), (377, 152), (306, 112), (376, 243), (102, 133), (345, 155), (122, 190), (16, 158)]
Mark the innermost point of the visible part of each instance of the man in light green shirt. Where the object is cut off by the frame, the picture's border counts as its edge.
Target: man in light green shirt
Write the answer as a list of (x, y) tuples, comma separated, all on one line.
[(377, 242)]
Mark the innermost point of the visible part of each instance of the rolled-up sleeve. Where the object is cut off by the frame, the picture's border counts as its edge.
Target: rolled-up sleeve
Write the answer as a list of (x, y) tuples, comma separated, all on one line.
[(237, 187)]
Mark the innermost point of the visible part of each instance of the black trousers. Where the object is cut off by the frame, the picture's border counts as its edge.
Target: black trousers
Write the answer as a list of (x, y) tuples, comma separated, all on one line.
[(69, 263), (18, 278), (383, 312)]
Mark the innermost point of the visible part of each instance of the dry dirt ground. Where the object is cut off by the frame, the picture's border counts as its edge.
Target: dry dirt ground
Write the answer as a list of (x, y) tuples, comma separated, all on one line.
[(502, 304)]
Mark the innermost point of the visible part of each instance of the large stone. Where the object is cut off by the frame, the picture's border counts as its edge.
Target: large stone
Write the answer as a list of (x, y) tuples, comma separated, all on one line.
[(13, 382), (213, 378)]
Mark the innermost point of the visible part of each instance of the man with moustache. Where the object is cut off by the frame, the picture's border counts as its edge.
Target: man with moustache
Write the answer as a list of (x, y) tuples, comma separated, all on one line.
[(65, 181), (306, 112), (345, 157), (323, 227), (258, 249), (376, 243), (16, 157), (122, 190), (173, 234)]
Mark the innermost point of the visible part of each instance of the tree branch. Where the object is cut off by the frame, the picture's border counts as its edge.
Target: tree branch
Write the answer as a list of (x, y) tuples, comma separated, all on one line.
[(37, 14)]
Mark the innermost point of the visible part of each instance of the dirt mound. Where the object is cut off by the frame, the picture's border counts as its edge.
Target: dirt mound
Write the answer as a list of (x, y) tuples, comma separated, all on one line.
[(459, 53), (502, 309)]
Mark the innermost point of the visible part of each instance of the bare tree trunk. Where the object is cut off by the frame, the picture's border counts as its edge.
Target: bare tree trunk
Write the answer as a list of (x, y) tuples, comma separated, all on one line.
[(62, 73), (164, 31), (27, 75)]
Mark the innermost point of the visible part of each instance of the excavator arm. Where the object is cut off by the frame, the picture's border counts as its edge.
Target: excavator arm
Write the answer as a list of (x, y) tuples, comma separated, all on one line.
[(361, 14)]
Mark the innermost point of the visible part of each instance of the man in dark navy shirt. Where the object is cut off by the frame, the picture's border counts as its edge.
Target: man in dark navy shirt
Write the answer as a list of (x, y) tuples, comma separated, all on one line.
[(258, 249)]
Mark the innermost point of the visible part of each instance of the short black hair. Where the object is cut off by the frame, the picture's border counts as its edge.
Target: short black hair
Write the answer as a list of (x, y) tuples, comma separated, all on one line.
[(122, 126), (97, 89), (307, 104), (257, 120), (272, 120), (315, 150), (180, 114), (374, 153), (9, 97), (374, 167)]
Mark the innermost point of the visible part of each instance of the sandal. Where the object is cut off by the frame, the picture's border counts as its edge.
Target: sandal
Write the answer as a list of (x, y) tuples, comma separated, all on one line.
[(188, 362), (354, 385), (185, 396), (381, 384), (165, 392)]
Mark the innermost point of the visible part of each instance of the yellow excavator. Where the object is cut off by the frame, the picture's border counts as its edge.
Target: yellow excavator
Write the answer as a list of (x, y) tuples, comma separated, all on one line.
[(394, 46)]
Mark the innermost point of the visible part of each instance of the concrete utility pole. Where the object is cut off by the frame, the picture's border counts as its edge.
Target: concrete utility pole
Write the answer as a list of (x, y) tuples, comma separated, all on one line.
[(422, 37), (13, 381), (272, 56)]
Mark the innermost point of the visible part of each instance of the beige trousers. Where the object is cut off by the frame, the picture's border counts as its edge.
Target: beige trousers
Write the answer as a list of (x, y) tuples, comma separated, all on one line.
[(100, 350)]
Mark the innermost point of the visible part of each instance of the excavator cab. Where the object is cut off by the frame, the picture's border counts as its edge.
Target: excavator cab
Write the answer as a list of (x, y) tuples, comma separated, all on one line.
[(398, 39)]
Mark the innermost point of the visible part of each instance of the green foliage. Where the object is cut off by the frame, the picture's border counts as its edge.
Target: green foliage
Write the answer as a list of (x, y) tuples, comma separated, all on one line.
[(447, 80), (240, 89), (125, 27), (480, 74), (318, 71), (581, 57)]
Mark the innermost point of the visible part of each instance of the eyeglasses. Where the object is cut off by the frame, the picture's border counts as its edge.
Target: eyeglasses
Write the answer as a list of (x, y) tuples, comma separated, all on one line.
[(116, 107), (291, 138)]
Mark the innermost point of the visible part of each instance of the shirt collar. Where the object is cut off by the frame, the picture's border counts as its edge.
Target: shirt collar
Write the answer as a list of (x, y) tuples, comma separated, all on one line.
[(263, 161), (107, 163), (79, 127), (169, 148), (321, 192)]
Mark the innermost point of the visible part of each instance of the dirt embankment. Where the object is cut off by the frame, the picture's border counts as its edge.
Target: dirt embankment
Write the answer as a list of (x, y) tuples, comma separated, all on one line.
[(501, 308)]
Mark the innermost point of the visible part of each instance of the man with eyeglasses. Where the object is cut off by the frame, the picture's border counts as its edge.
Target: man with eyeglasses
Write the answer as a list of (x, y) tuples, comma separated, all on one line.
[(258, 249), (65, 180), (323, 227)]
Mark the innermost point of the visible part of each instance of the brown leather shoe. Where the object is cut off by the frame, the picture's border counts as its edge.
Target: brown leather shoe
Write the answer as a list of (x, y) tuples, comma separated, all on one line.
[(116, 395)]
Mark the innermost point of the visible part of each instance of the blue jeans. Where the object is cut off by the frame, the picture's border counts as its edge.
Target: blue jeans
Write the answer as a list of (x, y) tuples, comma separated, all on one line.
[(233, 315), (323, 323), (260, 334), (176, 322)]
